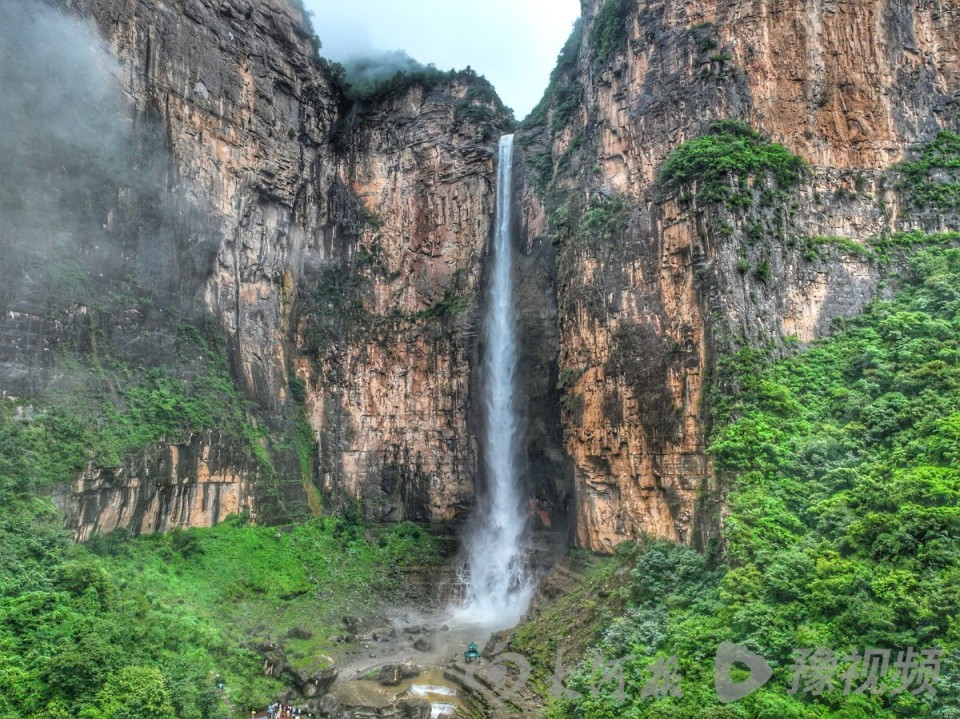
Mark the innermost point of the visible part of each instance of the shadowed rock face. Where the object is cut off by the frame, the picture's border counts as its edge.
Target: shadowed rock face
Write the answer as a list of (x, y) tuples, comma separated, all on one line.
[(184, 186), (337, 248), (645, 314)]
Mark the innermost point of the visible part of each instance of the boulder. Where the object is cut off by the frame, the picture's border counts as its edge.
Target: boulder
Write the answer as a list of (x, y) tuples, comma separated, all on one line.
[(317, 680), (409, 670), (275, 662), (383, 635), (299, 633), (326, 706), (417, 708), (423, 645), (351, 624), (390, 675)]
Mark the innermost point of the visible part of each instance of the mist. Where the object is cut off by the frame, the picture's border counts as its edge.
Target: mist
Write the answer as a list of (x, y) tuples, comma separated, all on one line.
[(61, 125), (513, 43), (89, 230), (376, 66)]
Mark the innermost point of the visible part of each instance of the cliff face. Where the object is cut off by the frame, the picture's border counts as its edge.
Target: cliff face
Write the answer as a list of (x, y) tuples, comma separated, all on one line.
[(196, 484), (334, 250), (846, 85), (657, 284), (246, 115), (334, 246), (389, 328)]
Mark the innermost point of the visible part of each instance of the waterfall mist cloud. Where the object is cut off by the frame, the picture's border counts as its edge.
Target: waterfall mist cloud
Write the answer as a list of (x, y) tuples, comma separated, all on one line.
[(59, 110), (87, 221), (514, 43)]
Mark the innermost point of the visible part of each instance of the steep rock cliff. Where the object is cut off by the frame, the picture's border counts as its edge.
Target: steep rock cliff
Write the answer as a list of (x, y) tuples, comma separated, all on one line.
[(389, 331), (329, 249), (657, 284)]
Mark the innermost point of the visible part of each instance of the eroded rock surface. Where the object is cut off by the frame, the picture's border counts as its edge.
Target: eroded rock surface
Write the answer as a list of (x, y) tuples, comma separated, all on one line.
[(646, 313)]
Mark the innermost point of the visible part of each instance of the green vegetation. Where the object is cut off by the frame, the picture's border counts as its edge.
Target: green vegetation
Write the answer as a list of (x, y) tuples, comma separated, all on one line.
[(933, 179), (139, 629), (843, 532), (101, 413), (589, 606), (813, 245), (483, 108), (452, 304), (563, 92), (762, 271), (600, 232), (143, 628), (559, 103), (481, 105), (609, 32), (605, 222), (378, 88), (723, 161), (914, 239)]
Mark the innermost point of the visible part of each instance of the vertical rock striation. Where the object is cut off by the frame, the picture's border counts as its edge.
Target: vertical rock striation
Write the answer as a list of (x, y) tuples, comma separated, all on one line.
[(655, 285), (389, 328), (338, 247), (335, 246)]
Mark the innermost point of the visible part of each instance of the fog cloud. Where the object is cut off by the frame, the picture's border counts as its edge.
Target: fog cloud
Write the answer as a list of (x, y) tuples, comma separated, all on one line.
[(87, 222), (514, 43)]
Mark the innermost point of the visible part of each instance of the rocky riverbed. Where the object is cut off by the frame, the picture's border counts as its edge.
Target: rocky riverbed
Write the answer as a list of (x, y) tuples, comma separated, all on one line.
[(409, 666)]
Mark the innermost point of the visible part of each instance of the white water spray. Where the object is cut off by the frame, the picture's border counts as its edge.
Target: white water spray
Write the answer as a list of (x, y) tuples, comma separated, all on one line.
[(498, 585)]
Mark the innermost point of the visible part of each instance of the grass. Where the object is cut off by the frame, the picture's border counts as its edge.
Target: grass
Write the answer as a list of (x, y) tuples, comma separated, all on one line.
[(549, 632), (244, 580), (121, 624), (812, 246), (189, 606)]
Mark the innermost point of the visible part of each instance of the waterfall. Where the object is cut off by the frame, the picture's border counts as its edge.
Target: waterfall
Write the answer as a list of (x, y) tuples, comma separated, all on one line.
[(498, 588)]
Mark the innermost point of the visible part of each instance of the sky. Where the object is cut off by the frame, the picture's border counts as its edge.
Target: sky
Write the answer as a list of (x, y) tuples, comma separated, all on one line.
[(514, 43)]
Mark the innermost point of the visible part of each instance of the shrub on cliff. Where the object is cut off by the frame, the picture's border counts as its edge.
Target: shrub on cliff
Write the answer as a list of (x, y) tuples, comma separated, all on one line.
[(842, 529), (609, 32), (933, 178), (723, 161)]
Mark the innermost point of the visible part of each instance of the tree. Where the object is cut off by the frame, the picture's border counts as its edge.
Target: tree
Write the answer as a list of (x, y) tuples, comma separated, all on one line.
[(133, 693)]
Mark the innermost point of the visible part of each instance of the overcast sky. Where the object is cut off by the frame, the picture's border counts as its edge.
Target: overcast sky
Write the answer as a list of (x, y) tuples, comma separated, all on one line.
[(514, 43)]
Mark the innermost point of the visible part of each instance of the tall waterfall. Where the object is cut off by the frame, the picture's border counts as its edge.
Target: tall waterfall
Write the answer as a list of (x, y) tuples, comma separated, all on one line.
[(498, 588)]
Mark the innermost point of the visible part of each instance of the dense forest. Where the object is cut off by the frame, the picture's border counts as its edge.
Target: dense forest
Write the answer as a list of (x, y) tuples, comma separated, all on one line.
[(842, 532)]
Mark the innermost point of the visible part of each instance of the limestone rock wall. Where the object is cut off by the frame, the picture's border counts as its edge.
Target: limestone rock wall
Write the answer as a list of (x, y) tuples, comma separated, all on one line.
[(646, 314), (246, 112), (389, 375), (195, 484), (337, 246), (340, 248), (847, 85)]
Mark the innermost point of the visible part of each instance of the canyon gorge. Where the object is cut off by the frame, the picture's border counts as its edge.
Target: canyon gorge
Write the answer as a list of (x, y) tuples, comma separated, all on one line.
[(243, 295), (337, 249)]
